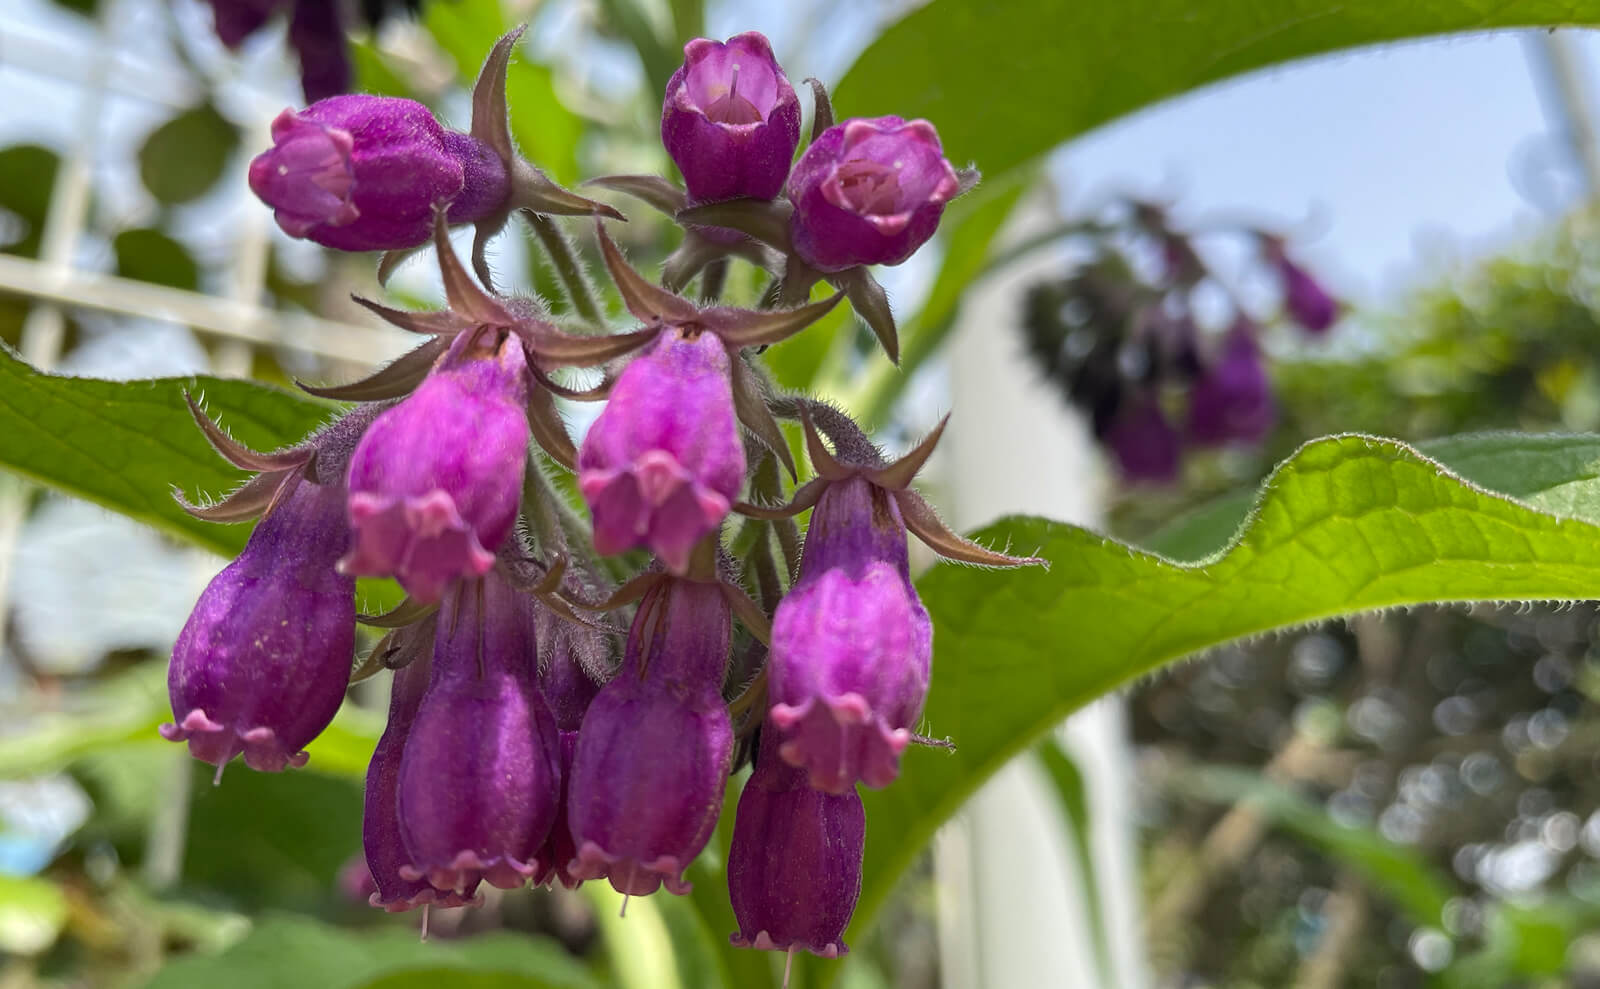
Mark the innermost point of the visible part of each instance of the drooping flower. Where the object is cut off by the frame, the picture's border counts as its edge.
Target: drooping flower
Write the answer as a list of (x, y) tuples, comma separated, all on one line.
[(656, 745), (316, 32), (869, 191), (852, 646), (663, 463), (363, 173), (730, 119), (794, 868), (436, 481), (1232, 400), (1304, 298), (1144, 442), (569, 689), (381, 840), (261, 665), (481, 773)]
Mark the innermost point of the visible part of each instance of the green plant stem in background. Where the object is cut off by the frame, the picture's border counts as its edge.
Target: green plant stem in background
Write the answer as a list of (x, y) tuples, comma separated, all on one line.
[(580, 294)]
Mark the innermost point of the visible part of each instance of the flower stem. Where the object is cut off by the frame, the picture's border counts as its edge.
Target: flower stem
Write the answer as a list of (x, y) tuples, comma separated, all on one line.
[(568, 268)]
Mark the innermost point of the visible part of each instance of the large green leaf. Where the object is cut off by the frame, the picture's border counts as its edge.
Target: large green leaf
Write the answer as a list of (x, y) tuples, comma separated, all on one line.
[(1348, 524), (292, 953), (1007, 80), (124, 444)]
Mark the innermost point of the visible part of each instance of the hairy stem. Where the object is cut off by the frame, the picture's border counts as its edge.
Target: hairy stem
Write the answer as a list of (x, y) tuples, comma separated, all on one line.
[(580, 294)]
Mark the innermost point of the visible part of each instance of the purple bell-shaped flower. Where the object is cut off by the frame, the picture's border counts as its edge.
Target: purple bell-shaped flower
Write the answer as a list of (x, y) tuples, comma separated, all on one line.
[(730, 119), (363, 173), (436, 480), (481, 774), (852, 646), (569, 690), (1232, 400), (261, 665), (663, 463), (794, 869), (1146, 446), (385, 849), (656, 745)]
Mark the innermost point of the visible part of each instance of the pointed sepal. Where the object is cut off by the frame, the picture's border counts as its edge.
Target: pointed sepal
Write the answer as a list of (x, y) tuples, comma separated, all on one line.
[(921, 519), (753, 328), (648, 302), (237, 453), (544, 422), (750, 403), (897, 476), (822, 114), (767, 222), (466, 299), (652, 190), (395, 379), (871, 303), (249, 501), (407, 612)]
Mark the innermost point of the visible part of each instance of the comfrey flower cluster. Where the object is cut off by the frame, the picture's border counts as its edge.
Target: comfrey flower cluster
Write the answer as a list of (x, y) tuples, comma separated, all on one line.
[(1121, 335), (523, 744)]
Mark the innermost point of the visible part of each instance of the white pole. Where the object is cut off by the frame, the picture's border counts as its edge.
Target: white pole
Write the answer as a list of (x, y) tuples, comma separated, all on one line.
[(1014, 907)]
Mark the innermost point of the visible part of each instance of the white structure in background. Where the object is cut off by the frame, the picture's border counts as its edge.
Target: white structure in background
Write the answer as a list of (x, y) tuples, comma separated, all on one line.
[(1015, 909)]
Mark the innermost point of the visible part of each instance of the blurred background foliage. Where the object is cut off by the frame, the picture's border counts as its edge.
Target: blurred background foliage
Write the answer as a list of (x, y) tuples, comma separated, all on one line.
[(1402, 800)]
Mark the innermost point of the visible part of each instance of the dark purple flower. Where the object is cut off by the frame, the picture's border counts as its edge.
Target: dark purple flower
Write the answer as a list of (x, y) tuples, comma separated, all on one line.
[(1304, 298), (852, 646), (869, 192), (481, 773), (794, 869), (316, 33), (385, 849), (730, 119), (362, 173), (436, 480), (663, 463), (569, 690), (656, 745), (1146, 446), (1232, 400), (261, 666)]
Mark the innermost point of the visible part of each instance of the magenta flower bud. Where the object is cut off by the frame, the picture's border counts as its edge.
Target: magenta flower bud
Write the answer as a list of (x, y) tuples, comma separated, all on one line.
[(1146, 446), (852, 646), (1232, 401), (481, 773), (730, 119), (261, 666), (385, 849), (656, 746), (663, 463), (435, 482), (869, 192), (362, 173), (794, 869)]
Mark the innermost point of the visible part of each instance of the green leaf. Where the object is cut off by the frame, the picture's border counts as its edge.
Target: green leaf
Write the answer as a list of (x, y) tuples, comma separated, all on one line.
[(1007, 80), (27, 178), (151, 256), (294, 952), (1554, 473), (183, 158), (1401, 873), (1348, 524), (124, 444)]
